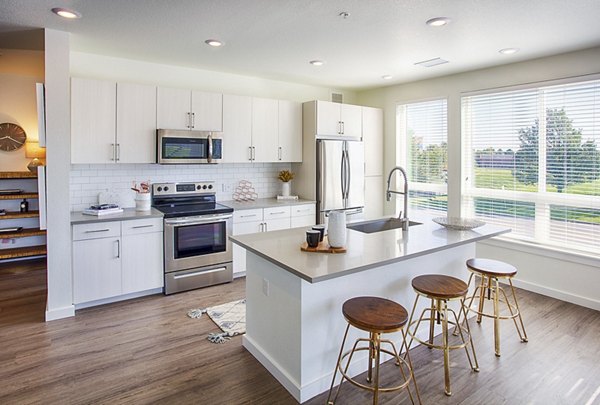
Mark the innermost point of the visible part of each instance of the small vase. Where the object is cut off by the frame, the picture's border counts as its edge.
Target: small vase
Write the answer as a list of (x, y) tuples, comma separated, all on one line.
[(142, 202), (286, 188), (336, 229)]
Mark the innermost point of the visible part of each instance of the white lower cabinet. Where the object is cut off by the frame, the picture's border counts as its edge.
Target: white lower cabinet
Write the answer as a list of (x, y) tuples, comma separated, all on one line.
[(116, 258), (264, 220)]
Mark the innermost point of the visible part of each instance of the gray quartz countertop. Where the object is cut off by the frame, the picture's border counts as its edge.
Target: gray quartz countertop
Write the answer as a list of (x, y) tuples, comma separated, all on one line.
[(364, 251), (127, 214), (264, 203)]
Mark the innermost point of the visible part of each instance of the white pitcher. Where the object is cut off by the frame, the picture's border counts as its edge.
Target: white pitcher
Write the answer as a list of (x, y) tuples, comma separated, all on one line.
[(336, 229)]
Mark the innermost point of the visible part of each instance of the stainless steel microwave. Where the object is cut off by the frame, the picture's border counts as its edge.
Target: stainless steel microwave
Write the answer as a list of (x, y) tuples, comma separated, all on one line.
[(188, 147)]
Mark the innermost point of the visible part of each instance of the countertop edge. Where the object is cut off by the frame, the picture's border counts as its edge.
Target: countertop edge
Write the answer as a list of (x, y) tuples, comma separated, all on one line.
[(128, 214), (264, 203)]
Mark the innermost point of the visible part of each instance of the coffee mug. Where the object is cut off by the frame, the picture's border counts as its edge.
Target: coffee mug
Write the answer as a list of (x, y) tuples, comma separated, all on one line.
[(320, 228), (312, 238)]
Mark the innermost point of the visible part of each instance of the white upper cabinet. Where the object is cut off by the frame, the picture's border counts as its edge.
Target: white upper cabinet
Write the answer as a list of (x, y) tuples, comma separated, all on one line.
[(237, 129), (335, 119), (189, 110), (93, 118), (136, 123), (372, 130), (290, 131), (112, 122), (265, 130)]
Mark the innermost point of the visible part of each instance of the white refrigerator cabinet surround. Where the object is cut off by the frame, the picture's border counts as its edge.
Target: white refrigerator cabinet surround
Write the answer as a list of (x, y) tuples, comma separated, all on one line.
[(189, 110), (372, 133), (335, 119), (256, 220), (112, 122), (116, 258)]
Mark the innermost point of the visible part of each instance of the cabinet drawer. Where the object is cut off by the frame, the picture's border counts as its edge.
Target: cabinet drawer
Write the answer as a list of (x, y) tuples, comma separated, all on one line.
[(248, 215), (303, 210), (308, 220), (97, 230), (139, 226), (276, 213)]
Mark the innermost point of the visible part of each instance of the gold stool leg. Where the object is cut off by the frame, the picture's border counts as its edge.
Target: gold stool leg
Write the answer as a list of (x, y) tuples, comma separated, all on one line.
[(371, 357), (412, 374), (466, 322), (460, 312), (329, 402), (481, 298), (434, 311), (496, 316), (512, 288), (412, 313), (444, 310), (377, 343)]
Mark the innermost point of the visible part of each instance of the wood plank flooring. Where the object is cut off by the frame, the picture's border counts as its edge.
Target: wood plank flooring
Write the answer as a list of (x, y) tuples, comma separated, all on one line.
[(148, 351)]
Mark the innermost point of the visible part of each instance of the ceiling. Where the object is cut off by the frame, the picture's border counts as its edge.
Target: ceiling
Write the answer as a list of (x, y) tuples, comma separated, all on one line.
[(276, 39)]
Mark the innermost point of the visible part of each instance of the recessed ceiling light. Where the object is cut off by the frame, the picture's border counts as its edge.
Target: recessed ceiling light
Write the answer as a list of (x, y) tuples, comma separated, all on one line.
[(317, 62), (508, 51), (214, 42), (386, 77), (437, 21), (66, 13)]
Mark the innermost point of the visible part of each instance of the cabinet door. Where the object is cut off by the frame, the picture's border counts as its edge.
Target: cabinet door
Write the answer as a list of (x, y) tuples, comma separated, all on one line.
[(328, 118), (93, 117), (374, 193), (237, 129), (265, 129), (142, 262), (306, 220), (277, 224), (173, 108), (96, 269), (239, 253), (207, 111), (290, 131), (351, 120), (136, 123), (372, 123)]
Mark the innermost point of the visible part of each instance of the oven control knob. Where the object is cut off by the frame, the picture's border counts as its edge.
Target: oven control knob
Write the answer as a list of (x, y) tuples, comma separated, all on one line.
[(166, 188), (159, 189), (204, 187), (209, 186), (198, 187)]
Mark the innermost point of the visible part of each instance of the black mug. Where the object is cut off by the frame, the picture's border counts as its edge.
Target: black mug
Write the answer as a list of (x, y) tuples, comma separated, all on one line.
[(312, 238), (320, 228)]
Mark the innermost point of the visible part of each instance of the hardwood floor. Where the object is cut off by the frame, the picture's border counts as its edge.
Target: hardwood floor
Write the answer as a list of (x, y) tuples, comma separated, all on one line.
[(148, 351)]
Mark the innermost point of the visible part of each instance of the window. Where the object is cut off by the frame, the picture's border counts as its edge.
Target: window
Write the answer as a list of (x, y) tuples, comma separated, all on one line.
[(531, 161), (422, 132)]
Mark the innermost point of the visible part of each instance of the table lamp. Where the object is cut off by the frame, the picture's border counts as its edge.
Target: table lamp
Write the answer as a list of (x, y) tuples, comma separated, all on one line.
[(33, 150)]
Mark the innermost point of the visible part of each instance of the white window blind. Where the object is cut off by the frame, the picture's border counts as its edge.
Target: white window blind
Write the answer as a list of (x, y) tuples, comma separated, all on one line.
[(423, 140), (531, 160)]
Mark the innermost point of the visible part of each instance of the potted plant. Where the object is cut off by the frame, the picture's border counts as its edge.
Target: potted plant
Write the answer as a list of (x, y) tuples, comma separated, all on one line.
[(286, 177)]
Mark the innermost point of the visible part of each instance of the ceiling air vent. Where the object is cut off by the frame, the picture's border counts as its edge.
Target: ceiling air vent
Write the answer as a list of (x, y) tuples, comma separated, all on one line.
[(337, 98), (432, 62)]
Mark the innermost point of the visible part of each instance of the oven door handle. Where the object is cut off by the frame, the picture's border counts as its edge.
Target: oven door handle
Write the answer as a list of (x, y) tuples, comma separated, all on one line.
[(198, 221)]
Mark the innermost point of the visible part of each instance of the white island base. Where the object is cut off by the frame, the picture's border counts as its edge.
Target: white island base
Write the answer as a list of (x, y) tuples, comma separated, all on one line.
[(295, 328)]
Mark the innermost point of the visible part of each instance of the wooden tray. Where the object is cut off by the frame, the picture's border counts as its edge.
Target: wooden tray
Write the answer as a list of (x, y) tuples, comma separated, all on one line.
[(322, 248)]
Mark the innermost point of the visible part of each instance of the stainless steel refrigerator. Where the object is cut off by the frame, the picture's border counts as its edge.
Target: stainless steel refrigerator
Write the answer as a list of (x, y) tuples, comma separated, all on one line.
[(340, 178)]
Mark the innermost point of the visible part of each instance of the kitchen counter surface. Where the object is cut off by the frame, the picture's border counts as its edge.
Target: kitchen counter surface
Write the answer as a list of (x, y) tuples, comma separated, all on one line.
[(127, 214), (264, 203), (364, 251)]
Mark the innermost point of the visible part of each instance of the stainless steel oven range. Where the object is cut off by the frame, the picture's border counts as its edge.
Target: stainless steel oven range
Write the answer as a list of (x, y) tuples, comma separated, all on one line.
[(198, 252)]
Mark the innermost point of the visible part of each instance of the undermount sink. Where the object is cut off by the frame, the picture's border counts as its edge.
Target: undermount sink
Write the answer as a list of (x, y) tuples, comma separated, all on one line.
[(379, 225)]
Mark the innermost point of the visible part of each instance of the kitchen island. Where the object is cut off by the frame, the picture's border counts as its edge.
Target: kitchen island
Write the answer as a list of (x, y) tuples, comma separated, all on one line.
[(294, 324)]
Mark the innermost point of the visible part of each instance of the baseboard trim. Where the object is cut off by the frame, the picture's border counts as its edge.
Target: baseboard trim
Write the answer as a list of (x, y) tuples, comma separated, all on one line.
[(60, 313), (558, 294), (119, 298)]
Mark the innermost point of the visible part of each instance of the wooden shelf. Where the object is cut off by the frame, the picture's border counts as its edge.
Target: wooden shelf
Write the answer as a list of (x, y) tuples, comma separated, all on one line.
[(19, 215), (18, 175), (18, 196), (23, 233), (28, 251)]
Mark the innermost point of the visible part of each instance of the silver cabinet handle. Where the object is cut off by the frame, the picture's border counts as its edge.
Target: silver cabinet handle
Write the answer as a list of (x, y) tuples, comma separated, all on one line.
[(141, 226), (248, 216), (304, 210), (250, 152), (339, 127), (199, 273), (343, 129), (98, 230), (118, 152), (266, 227), (261, 226), (279, 153), (193, 120), (277, 213), (118, 248), (253, 153), (114, 152), (189, 120)]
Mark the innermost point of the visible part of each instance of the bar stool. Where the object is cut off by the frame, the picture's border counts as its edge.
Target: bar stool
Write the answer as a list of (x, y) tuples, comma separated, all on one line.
[(440, 289), (376, 316), (489, 271)]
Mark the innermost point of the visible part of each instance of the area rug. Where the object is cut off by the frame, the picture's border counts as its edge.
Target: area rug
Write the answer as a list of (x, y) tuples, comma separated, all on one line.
[(230, 317)]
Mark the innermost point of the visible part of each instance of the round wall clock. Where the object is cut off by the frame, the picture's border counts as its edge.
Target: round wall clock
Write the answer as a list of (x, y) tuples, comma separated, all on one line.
[(12, 137)]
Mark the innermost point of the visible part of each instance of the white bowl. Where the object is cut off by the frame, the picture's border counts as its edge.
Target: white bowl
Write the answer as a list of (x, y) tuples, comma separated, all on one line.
[(458, 224)]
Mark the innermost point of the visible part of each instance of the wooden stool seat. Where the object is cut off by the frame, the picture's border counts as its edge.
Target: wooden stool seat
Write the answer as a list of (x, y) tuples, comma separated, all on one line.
[(374, 314), (489, 267), (438, 286)]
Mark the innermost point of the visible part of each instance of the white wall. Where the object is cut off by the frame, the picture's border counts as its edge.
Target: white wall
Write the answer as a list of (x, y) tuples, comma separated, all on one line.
[(451, 87)]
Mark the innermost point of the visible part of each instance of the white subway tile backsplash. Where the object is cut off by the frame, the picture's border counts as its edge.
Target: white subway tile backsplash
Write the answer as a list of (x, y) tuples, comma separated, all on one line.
[(86, 181)]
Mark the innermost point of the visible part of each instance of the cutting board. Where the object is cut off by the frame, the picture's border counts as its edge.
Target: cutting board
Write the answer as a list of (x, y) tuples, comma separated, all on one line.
[(322, 248)]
